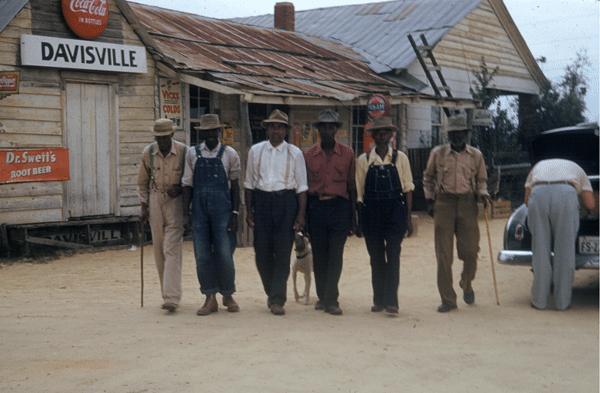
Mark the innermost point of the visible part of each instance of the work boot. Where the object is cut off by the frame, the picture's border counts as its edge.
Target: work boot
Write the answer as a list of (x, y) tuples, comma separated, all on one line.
[(231, 305), (210, 305)]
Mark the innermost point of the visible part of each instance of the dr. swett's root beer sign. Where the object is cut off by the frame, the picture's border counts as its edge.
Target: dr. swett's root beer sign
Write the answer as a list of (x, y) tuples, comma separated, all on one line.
[(18, 166)]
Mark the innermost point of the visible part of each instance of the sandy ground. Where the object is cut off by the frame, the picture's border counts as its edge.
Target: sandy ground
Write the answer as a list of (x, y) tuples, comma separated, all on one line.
[(75, 325)]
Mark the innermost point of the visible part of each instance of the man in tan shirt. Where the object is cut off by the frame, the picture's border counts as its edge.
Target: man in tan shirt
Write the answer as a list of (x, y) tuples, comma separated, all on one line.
[(159, 190), (455, 175)]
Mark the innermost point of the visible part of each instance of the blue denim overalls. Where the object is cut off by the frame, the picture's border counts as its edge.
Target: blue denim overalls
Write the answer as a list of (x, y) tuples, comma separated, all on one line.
[(211, 213), (384, 225)]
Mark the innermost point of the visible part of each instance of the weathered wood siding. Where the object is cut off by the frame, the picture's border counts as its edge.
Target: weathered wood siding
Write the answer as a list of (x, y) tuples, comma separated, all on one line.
[(34, 117), (480, 34)]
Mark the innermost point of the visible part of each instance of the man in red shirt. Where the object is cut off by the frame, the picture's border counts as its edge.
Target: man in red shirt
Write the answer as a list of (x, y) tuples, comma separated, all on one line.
[(331, 208)]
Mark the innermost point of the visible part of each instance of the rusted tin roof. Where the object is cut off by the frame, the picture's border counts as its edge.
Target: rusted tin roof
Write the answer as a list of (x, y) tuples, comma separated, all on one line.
[(261, 60), (379, 30)]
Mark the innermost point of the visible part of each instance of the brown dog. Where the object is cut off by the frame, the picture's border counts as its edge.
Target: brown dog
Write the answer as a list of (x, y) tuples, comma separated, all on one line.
[(303, 263)]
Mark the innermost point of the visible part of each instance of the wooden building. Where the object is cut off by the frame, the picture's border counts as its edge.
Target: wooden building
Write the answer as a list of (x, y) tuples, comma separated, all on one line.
[(93, 100)]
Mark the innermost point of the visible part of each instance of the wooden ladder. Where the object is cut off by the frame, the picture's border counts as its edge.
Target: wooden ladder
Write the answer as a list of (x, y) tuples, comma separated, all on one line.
[(428, 49)]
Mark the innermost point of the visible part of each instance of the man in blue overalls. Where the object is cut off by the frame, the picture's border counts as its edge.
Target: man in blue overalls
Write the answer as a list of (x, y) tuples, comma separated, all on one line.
[(210, 182), (384, 194)]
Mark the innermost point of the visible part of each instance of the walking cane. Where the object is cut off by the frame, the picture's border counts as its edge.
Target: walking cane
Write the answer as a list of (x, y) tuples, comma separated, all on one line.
[(487, 224), (142, 263)]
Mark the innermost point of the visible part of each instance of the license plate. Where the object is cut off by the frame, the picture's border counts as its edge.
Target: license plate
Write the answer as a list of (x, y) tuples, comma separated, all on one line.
[(588, 244)]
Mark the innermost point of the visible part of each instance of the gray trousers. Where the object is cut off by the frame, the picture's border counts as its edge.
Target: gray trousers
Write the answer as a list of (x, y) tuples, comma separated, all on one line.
[(554, 221)]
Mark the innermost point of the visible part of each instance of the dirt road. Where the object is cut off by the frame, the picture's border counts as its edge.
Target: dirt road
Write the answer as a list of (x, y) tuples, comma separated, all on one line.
[(75, 325)]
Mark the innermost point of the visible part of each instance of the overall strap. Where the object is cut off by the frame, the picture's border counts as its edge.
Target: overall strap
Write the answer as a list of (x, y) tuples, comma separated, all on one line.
[(198, 151), (221, 151)]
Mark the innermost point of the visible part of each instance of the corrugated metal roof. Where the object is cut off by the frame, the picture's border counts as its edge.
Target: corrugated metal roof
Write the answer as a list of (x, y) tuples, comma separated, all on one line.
[(379, 30), (8, 10), (262, 60)]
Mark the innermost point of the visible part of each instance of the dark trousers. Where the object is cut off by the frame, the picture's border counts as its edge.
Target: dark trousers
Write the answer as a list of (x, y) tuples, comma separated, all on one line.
[(328, 226), (274, 216), (384, 225)]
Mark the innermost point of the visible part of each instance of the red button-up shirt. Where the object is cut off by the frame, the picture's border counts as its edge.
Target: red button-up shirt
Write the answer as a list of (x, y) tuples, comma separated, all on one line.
[(333, 175)]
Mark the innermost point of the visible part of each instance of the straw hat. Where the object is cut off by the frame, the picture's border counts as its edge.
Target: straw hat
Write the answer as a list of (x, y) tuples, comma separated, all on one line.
[(163, 127), (382, 123), (328, 116), (209, 122), (276, 117), (457, 123)]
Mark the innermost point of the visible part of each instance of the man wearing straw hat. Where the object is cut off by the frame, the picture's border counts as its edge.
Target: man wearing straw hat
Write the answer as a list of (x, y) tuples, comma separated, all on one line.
[(331, 208), (275, 205), (211, 184), (453, 179), (384, 186), (159, 191)]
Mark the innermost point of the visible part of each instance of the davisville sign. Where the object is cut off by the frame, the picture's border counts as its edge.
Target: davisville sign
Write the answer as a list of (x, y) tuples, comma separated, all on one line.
[(89, 55)]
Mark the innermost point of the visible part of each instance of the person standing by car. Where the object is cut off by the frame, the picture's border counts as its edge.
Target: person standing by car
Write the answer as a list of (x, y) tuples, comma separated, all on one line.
[(551, 195), (159, 191), (455, 175), (275, 205), (384, 186), (331, 208)]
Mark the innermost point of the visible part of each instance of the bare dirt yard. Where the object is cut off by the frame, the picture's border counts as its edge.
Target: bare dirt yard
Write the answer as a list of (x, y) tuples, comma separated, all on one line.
[(75, 324)]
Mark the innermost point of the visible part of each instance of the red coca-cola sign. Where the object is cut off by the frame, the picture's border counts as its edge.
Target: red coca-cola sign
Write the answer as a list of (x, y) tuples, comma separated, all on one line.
[(87, 18)]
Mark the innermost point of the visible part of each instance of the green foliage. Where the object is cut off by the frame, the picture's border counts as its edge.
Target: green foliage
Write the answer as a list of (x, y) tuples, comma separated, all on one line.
[(557, 105)]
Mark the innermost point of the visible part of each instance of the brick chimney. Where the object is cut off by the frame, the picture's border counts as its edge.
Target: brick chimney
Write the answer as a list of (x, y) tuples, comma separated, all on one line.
[(285, 18)]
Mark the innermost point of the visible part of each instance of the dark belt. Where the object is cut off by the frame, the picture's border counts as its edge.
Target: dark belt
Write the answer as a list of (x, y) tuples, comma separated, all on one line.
[(547, 183), (276, 193)]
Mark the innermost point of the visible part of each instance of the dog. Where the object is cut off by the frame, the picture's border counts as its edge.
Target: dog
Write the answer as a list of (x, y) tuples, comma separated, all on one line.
[(303, 263)]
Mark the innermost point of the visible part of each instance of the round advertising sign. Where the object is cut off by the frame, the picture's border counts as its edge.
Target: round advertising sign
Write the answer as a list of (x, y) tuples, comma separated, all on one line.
[(378, 106), (86, 18)]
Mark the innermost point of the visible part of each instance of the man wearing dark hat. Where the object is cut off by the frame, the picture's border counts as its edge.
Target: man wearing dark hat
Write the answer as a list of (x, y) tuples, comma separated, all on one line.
[(159, 190), (453, 179), (211, 184), (331, 208), (275, 205), (384, 186)]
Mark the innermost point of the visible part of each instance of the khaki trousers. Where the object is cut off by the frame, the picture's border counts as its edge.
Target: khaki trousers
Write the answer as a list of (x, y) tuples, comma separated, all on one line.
[(455, 215), (166, 223)]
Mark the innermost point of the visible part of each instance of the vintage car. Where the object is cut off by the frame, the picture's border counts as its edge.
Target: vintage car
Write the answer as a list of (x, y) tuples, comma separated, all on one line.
[(579, 144)]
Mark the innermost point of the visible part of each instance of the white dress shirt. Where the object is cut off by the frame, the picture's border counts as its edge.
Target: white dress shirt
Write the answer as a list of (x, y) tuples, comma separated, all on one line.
[(275, 168)]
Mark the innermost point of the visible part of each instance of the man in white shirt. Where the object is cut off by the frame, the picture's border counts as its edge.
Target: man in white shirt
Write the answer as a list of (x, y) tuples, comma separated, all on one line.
[(275, 193), (551, 195)]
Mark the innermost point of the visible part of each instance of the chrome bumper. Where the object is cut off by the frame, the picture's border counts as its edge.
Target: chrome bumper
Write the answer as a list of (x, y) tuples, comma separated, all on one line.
[(509, 257)]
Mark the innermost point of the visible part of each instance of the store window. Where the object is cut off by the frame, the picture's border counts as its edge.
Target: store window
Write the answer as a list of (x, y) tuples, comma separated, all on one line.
[(436, 125), (199, 105), (359, 120)]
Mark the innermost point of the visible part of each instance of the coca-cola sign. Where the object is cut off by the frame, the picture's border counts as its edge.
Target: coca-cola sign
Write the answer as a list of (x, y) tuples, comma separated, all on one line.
[(87, 18)]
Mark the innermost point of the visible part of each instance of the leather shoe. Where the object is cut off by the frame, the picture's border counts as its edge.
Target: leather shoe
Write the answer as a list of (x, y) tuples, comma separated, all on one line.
[(210, 305), (170, 307), (392, 310), (377, 308), (445, 307), (277, 309), (469, 297), (231, 305), (333, 310), (319, 306)]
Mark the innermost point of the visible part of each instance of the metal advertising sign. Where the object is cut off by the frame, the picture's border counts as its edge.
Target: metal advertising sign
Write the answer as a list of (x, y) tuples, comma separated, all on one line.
[(19, 166), (87, 18), (171, 101), (9, 82), (378, 106)]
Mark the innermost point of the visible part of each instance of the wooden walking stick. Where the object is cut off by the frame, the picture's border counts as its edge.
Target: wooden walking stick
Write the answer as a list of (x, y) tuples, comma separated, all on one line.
[(142, 262), (487, 224)]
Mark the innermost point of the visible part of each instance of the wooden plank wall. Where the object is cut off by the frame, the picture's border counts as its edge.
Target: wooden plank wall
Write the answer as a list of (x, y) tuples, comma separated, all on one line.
[(33, 118), (480, 33)]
